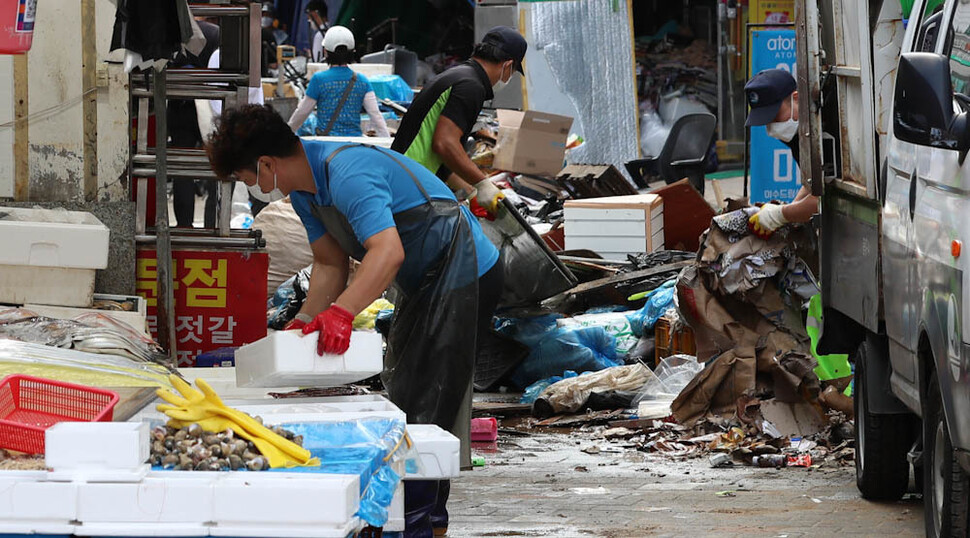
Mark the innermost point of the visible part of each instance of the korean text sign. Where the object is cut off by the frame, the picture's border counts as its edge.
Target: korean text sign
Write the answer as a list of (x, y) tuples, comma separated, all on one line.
[(774, 172), (220, 298)]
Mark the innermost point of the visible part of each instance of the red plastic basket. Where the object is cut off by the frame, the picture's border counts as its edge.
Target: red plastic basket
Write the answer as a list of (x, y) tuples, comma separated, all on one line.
[(29, 405)]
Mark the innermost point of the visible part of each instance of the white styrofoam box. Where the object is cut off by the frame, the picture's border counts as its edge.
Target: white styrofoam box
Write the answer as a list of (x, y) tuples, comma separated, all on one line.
[(147, 529), (345, 530), (329, 409), (287, 358), (40, 247), (21, 284), (29, 500), (378, 141), (182, 499), (615, 226), (395, 512), (90, 449), (52, 238), (367, 70), (285, 500), (439, 452)]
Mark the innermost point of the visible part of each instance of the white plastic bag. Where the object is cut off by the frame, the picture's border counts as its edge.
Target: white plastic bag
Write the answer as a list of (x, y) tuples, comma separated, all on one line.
[(653, 134)]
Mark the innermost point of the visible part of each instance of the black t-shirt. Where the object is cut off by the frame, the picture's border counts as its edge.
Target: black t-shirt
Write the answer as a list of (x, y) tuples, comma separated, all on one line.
[(457, 94)]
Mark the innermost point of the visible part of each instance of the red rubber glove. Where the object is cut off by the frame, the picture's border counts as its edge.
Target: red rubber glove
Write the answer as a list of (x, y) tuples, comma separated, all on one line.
[(334, 325), (294, 324), (479, 211)]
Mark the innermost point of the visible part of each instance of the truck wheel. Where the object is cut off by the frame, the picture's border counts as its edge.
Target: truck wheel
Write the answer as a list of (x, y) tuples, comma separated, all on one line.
[(882, 442), (945, 485)]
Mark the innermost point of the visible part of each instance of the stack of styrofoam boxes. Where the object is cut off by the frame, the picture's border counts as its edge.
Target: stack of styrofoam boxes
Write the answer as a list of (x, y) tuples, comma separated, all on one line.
[(615, 226), (437, 449), (97, 487), (287, 358), (50, 256)]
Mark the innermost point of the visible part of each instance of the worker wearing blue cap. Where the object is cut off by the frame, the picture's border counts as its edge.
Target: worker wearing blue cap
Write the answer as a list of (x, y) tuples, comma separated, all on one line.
[(773, 97)]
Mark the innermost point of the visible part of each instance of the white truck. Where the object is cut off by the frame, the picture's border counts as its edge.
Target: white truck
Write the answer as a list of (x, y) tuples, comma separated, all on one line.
[(885, 136)]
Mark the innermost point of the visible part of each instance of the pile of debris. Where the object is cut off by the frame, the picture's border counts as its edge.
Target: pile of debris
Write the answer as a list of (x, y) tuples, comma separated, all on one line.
[(749, 392)]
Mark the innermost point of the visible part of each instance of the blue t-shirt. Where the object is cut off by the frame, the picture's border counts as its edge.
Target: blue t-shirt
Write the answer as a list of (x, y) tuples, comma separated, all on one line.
[(370, 189), (326, 87)]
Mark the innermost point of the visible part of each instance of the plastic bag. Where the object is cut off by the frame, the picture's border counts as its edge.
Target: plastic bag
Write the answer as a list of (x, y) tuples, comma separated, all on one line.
[(583, 349), (288, 299), (368, 317), (616, 324), (658, 302), (653, 134), (569, 395), (365, 447), (533, 391), (391, 87), (528, 331), (669, 378)]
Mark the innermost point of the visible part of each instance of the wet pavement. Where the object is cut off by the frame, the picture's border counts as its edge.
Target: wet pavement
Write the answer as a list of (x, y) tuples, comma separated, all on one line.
[(542, 484)]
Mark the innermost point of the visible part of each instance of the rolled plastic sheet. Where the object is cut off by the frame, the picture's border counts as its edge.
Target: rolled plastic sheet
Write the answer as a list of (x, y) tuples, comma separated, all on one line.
[(588, 46), (80, 367)]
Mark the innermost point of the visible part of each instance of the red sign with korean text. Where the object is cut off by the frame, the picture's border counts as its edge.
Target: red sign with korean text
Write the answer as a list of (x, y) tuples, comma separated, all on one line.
[(220, 298)]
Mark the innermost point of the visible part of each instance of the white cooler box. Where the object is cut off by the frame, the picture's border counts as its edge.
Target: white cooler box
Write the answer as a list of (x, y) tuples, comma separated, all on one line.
[(50, 256), (287, 359)]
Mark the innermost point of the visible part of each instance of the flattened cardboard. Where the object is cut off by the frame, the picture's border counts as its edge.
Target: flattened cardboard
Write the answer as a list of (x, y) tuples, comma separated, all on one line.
[(531, 142)]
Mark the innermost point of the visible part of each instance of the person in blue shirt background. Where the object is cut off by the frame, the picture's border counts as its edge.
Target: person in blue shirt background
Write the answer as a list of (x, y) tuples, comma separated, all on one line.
[(338, 94), (405, 227)]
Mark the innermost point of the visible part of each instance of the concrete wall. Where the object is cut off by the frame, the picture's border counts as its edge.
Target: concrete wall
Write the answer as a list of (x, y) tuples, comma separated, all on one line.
[(56, 124)]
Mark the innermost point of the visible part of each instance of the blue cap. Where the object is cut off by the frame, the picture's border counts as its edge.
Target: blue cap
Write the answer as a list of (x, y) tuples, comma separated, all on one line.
[(508, 41), (765, 92)]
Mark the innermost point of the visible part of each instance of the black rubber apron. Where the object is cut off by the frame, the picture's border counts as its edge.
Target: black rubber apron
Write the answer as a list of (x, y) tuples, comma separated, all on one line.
[(431, 345)]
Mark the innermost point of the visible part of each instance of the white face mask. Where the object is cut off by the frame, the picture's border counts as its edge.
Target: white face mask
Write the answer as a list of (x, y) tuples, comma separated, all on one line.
[(267, 197), (499, 84), (784, 130)]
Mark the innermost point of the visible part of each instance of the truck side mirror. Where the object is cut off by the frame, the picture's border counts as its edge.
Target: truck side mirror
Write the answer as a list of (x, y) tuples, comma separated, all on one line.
[(923, 104)]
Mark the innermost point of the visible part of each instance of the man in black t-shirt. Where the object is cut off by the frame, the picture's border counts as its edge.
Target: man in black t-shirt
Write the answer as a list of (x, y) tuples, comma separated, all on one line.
[(444, 112)]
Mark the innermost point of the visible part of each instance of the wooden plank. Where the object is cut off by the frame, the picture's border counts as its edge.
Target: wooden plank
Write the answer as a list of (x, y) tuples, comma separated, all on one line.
[(626, 277), (89, 105), (21, 134), (501, 409)]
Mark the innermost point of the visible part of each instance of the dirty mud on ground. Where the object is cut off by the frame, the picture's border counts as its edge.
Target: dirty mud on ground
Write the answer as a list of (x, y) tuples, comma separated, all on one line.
[(541, 483)]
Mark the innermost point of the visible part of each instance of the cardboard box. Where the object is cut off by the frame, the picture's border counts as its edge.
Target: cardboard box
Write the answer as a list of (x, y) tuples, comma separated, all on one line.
[(616, 225), (531, 142)]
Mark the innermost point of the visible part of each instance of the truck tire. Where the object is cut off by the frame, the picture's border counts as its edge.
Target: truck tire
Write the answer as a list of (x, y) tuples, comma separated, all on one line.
[(882, 442), (945, 485)]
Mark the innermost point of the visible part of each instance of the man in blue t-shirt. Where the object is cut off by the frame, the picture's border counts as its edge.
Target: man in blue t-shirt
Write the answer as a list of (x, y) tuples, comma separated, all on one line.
[(406, 227)]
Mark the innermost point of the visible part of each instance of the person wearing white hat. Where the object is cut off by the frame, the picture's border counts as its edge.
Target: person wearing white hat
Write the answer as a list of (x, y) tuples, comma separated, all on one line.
[(338, 94)]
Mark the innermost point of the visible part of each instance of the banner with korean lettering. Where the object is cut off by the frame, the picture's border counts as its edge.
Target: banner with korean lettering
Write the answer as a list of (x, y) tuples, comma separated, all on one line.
[(773, 170), (220, 298)]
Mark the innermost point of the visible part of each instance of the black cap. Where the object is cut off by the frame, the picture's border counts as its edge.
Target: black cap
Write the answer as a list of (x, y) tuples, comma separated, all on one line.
[(508, 41), (766, 91)]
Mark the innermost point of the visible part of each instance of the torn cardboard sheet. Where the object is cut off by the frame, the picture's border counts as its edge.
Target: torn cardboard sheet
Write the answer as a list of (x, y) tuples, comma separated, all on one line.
[(717, 388)]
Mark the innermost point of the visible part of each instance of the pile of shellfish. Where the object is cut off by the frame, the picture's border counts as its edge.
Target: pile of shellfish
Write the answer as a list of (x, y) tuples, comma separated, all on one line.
[(194, 449)]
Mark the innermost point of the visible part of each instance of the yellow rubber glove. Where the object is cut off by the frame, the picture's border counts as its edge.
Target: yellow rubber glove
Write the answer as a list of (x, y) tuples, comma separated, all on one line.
[(199, 407), (276, 457)]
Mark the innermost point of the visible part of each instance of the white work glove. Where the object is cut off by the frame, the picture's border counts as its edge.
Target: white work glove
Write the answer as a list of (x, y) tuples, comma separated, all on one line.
[(488, 195), (767, 220)]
